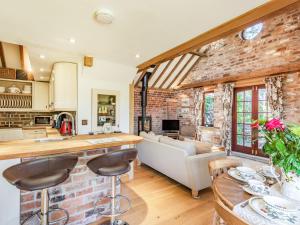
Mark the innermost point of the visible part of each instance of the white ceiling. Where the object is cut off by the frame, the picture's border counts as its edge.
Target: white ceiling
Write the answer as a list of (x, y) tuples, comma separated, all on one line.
[(147, 27)]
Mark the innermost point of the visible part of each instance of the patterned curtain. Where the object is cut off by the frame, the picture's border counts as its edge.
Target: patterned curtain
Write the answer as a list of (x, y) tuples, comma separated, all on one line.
[(226, 130), (275, 95), (198, 102)]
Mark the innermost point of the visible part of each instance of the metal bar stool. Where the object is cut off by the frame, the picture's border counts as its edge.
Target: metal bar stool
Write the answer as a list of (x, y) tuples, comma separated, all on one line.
[(113, 164), (41, 174)]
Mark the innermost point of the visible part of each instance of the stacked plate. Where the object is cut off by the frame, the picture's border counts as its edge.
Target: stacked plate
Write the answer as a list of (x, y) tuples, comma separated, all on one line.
[(276, 209), (245, 174)]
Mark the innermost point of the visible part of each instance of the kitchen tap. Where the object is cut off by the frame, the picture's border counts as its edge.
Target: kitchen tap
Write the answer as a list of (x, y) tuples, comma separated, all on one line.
[(72, 118)]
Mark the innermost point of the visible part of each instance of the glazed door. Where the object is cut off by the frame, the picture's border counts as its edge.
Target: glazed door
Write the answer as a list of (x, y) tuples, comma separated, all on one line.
[(250, 103)]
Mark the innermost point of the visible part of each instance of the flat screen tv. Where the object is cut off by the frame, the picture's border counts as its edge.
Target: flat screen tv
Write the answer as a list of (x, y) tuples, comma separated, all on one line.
[(170, 125)]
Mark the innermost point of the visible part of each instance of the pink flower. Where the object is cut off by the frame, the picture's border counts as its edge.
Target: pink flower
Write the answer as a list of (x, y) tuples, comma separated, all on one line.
[(274, 124)]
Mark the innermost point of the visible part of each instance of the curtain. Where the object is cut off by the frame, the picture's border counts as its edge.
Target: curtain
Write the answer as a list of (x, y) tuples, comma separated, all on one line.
[(226, 130), (275, 95), (198, 103)]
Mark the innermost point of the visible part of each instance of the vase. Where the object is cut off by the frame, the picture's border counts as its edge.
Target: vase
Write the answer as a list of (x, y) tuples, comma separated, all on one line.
[(291, 186)]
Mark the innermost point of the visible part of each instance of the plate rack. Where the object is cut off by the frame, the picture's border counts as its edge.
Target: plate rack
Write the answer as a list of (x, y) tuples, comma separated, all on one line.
[(15, 101)]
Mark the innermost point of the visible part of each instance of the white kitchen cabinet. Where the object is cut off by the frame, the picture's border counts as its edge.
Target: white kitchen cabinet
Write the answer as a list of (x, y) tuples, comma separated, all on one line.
[(40, 96), (63, 87)]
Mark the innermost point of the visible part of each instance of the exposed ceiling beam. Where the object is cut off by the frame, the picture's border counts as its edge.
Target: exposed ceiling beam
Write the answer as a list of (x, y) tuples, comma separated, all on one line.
[(172, 71), (162, 73), (154, 71), (276, 70), (187, 73), (2, 57), (180, 72), (235, 25)]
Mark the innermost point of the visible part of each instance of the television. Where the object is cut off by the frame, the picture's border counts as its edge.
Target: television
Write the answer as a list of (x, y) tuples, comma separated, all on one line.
[(170, 125)]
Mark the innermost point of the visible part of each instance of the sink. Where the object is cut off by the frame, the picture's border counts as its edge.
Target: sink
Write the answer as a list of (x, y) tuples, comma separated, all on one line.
[(51, 139)]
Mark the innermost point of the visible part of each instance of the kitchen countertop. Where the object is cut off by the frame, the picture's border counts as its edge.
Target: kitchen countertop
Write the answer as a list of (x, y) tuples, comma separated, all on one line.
[(79, 143)]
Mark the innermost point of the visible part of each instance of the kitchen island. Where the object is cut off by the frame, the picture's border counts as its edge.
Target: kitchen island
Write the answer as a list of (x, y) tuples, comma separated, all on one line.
[(78, 193)]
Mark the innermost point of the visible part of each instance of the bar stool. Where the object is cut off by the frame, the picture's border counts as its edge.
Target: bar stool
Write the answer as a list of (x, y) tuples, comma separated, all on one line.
[(113, 164), (41, 174)]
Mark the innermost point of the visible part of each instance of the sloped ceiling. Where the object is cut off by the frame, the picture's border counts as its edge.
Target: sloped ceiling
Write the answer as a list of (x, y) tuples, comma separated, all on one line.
[(140, 26)]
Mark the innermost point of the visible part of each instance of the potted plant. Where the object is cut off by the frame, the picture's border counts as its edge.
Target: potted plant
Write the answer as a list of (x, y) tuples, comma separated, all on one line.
[(283, 147)]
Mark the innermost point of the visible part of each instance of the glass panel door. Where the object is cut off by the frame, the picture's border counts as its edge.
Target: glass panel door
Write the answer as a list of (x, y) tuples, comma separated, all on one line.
[(250, 103), (243, 110)]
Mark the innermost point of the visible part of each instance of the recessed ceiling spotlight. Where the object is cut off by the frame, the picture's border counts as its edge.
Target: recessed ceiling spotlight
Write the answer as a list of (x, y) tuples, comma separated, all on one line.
[(42, 69), (42, 56), (42, 77), (104, 16), (72, 40), (137, 56)]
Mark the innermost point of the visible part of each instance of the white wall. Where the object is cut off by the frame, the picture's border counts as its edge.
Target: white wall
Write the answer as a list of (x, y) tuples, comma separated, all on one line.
[(103, 75)]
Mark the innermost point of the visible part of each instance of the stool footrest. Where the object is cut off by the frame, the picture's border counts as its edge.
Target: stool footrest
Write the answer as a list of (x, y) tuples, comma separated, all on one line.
[(35, 219), (117, 211)]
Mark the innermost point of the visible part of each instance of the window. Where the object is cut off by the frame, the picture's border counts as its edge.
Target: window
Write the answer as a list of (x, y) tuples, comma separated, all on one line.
[(251, 32), (208, 110), (250, 103)]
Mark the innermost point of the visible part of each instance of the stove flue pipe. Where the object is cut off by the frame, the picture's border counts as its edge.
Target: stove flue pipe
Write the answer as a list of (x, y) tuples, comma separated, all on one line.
[(144, 98)]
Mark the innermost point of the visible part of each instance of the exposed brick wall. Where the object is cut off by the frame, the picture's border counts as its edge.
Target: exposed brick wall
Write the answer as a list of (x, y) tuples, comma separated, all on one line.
[(21, 119), (278, 44), (161, 105), (77, 194)]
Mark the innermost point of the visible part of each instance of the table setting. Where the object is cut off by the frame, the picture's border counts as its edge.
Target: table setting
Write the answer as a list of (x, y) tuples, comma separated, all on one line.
[(267, 204)]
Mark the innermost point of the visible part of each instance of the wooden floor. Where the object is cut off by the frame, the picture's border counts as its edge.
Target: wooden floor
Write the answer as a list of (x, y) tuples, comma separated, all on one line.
[(158, 200)]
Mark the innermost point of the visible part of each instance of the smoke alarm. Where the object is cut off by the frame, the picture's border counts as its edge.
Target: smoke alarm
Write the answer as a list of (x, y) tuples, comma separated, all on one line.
[(104, 16)]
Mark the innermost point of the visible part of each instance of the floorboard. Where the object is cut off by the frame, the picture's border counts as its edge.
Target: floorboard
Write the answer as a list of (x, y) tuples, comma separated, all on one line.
[(159, 200)]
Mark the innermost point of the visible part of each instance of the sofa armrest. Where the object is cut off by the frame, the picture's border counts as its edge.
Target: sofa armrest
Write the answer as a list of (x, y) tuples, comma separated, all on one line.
[(197, 169)]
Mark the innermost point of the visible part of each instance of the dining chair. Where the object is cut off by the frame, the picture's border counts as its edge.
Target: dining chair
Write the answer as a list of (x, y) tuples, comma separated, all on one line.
[(227, 215), (220, 166), (216, 168)]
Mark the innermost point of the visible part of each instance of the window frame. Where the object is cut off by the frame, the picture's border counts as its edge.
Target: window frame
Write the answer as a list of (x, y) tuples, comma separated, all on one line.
[(203, 108)]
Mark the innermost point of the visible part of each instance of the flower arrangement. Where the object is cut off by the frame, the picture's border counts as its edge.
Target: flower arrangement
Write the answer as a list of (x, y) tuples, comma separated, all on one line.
[(282, 143)]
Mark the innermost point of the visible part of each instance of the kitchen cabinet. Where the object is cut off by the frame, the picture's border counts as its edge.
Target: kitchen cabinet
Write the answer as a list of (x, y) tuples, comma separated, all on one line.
[(40, 96), (63, 87)]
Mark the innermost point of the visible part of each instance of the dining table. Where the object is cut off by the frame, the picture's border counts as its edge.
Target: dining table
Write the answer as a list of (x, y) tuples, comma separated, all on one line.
[(230, 191)]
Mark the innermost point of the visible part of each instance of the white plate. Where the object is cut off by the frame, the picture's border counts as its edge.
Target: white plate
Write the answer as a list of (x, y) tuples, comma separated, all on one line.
[(262, 193), (244, 178), (246, 170), (275, 216), (280, 203)]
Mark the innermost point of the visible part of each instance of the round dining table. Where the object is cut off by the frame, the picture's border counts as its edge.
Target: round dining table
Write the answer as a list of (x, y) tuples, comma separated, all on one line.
[(229, 190)]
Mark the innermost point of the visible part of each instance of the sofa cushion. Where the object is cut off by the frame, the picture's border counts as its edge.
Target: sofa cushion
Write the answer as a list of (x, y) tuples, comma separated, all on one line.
[(202, 147), (189, 147), (151, 136)]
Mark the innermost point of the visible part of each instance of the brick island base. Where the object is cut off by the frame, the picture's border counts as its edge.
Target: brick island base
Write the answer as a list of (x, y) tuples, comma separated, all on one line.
[(76, 195)]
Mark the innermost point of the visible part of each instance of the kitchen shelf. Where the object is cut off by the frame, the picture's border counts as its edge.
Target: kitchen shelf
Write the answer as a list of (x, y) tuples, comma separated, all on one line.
[(15, 94)]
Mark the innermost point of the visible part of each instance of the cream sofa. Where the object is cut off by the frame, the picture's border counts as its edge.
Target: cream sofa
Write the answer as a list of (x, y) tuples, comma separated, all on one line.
[(178, 161)]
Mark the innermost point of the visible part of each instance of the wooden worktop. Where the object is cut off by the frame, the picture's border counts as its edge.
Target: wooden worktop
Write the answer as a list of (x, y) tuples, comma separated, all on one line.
[(31, 148)]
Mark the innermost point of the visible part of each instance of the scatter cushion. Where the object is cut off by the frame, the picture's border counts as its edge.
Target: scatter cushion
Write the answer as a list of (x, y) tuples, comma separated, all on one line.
[(189, 147), (150, 136), (201, 147)]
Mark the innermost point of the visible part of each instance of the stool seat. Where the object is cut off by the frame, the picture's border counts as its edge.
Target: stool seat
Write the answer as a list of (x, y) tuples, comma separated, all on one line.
[(43, 180), (114, 169)]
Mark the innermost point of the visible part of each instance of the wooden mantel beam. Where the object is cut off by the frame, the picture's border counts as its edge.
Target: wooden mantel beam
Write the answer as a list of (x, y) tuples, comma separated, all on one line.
[(295, 67), (235, 25)]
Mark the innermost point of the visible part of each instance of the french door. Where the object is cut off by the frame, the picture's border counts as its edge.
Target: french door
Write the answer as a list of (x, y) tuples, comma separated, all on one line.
[(250, 103)]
